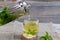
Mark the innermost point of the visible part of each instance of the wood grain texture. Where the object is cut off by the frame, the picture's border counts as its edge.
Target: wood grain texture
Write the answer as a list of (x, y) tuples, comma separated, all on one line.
[(33, 38)]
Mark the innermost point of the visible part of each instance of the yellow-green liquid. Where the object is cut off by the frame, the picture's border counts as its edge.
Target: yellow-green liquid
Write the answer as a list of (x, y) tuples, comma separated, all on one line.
[(31, 25)]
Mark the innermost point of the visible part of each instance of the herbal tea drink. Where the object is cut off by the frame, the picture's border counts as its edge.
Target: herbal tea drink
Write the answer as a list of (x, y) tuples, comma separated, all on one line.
[(31, 27)]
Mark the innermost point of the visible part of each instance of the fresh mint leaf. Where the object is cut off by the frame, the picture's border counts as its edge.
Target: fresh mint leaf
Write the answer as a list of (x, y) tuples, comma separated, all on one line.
[(46, 37), (6, 17)]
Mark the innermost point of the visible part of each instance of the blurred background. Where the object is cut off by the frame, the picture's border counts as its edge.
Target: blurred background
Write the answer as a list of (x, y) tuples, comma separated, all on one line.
[(44, 10), (35, 0)]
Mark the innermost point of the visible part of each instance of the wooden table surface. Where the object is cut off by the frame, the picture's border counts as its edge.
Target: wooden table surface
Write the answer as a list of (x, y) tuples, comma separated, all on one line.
[(17, 29)]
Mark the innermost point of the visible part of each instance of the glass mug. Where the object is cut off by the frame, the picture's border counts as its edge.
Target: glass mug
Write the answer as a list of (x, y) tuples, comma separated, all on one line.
[(31, 27)]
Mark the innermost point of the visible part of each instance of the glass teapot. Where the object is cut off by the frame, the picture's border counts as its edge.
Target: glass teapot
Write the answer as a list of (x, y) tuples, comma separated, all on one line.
[(21, 4)]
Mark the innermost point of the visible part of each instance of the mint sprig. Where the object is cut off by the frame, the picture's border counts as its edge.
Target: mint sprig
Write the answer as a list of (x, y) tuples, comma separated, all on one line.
[(46, 37)]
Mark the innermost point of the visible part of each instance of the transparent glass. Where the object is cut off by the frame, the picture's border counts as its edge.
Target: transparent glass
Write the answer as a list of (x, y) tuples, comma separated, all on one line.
[(31, 26)]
